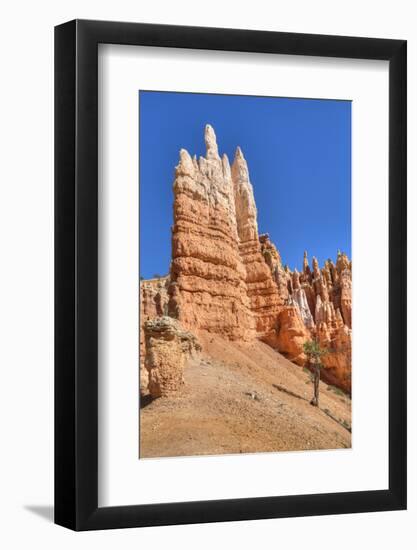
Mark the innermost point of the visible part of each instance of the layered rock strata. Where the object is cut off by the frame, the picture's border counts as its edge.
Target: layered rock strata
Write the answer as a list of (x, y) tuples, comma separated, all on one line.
[(262, 289), (168, 348), (208, 288)]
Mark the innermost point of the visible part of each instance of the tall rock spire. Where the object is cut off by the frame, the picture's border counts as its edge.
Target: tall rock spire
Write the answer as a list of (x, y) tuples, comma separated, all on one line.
[(207, 277), (263, 289), (211, 143), (316, 269), (306, 267), (246, 213), (240, 167), (296, 279)]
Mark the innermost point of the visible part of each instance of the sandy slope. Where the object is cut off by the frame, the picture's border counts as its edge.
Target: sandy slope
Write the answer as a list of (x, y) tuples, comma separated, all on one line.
[(235, 400)]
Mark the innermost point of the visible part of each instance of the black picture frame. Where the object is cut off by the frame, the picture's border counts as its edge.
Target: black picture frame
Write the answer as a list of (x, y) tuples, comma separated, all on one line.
[(76, 272)]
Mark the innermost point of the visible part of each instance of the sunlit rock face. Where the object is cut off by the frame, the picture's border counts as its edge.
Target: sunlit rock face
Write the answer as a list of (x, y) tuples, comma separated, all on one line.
[(153, 302), (330, 299), (168, 347), (262, 290), (227, 279), (208, 288)]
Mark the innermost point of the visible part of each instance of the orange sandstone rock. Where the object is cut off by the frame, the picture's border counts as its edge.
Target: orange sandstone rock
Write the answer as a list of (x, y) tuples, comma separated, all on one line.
[(208, 279), (153, 302), (272, 257), (168, 347), (292, 333), (265, 300)]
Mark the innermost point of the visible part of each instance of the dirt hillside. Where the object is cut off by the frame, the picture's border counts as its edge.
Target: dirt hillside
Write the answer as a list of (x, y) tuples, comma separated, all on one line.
[(243, 398)]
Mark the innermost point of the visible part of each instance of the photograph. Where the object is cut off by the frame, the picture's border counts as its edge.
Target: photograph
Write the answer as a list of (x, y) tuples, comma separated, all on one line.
[(245, 274), (207, 213)]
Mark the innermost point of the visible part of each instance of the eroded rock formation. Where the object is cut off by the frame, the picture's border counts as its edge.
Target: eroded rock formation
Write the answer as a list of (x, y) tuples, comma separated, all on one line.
[(330, 292), (153, 302), (291, 334), (168, 347), (227, 279), (262, 290), (208, 278)]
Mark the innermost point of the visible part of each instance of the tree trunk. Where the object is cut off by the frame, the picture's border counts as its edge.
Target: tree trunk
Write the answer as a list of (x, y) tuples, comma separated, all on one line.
[(315, 400)]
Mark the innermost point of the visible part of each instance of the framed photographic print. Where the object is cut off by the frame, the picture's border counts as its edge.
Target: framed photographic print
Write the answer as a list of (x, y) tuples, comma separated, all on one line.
[(230, 244)]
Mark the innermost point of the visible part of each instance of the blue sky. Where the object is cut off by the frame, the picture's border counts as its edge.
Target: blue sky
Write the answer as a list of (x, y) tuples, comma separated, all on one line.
[(299, 157)]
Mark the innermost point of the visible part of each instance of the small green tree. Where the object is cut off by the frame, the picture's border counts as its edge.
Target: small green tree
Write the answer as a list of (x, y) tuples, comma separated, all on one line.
[(314, 355)]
